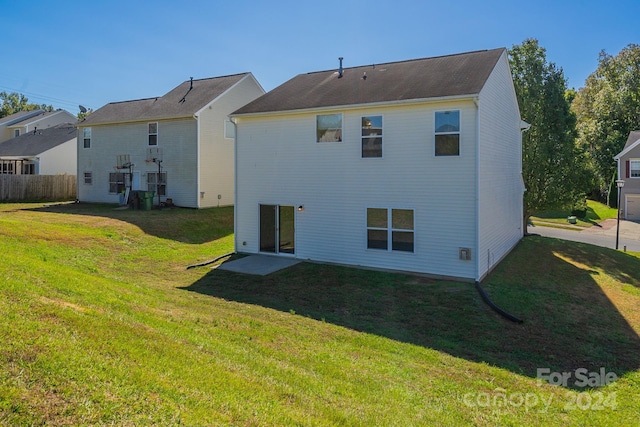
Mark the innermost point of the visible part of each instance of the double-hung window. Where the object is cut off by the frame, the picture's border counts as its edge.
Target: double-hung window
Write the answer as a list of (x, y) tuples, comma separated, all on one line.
[(372, 136), (88, 178), (157, 182), (86, 137), (153, 134), (329, 128), (116, 182), (390, 229), (634, 168), (447, 138)]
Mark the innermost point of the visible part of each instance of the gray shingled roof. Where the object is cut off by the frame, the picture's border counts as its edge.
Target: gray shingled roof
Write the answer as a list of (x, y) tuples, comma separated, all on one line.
[(34, 117), (179, 102), (461, 74), (18, 117), (634, 135), (33, 144)]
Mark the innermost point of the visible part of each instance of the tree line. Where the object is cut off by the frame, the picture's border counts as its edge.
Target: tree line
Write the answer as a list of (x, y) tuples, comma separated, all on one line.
[(568, 150), (16, 102)]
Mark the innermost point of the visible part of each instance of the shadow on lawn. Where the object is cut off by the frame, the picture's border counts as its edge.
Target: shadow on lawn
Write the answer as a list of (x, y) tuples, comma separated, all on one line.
[(185, 225), (569, 322)]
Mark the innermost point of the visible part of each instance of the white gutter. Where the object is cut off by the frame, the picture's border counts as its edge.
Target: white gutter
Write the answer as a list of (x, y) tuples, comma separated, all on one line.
[(360, 106)]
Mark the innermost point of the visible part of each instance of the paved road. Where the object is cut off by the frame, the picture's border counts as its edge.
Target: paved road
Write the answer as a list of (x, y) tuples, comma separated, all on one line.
[(603, 234)]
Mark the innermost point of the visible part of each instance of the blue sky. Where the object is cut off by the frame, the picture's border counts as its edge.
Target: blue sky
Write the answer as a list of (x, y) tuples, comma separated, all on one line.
[(67, 52)]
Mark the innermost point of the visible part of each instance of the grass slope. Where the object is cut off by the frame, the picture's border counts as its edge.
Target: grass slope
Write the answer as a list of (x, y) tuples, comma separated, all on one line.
[(596, 212), (102, 324)]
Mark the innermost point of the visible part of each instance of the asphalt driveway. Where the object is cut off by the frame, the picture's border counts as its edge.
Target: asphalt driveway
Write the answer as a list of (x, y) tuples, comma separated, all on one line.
[(603, 234)]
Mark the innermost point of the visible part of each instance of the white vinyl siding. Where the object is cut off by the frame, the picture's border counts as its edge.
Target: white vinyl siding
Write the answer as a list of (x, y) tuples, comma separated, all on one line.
[(216, 185), (500, 187), (278, 162), (179, 158)]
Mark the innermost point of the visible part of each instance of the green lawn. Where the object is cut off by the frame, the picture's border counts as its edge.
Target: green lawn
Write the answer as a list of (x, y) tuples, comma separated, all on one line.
[(595, 213), (103, 324)]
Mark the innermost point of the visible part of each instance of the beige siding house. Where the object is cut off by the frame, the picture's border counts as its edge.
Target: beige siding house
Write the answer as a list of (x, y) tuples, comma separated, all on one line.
[(27, 121), (50, 151), (179, 145), (629, 171), (409, 166)]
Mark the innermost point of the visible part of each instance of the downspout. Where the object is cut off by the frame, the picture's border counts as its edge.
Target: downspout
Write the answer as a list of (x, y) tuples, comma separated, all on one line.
[(235, 183), (198, 160), (476, 102)]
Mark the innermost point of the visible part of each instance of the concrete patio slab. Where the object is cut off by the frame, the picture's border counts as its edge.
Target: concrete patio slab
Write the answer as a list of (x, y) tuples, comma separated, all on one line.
[(260, 265)]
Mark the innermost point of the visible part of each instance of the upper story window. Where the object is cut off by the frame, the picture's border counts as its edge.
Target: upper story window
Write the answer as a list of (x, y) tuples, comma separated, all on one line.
[(153, 134), (634, 168), (372, 136), (329, 128), (447, 133), (16, 133), (86, 137)]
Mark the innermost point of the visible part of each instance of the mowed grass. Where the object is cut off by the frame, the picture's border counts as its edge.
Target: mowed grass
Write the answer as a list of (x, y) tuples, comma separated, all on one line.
[(596, 212), (103, 324)]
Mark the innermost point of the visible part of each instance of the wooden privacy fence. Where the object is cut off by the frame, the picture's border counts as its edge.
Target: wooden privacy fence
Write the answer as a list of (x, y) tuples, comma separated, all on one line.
[(53, 188)]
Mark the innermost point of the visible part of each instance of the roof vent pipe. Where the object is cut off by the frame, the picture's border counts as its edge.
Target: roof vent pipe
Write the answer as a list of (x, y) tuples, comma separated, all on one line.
[(191, 87), (340, 70)]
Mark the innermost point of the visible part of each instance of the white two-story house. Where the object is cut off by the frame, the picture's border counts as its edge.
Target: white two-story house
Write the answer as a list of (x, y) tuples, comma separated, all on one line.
[(410, 166)]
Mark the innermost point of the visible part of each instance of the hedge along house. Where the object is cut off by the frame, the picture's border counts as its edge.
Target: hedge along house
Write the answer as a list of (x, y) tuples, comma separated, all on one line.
[(411, 166), (180, 145)]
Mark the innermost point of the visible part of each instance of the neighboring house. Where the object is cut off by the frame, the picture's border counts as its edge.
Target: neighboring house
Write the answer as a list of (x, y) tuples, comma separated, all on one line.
[(629, 171), (49, 151), (180, 145), (5, 122), (28, 121), (412, 166)]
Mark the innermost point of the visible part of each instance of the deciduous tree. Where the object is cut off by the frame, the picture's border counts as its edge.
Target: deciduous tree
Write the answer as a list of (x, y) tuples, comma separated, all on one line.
[(553, 167), (607, 109), (15, 102)]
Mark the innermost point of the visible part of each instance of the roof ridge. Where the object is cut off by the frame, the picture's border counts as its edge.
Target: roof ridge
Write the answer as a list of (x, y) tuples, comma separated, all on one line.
[(135, 100), (217, 77), (406, 60)]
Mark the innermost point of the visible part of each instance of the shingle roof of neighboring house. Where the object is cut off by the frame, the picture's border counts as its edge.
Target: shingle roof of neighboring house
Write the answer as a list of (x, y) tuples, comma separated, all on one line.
[(183, 101), (18, 117), (632, 141), (634, 135), (36, 117), (453, 75), (34, 143)]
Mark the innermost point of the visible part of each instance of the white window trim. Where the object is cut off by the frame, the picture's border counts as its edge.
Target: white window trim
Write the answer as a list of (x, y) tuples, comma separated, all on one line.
[(381, 136), (157, 144), (389, 229), (631, 161), (84, 138), (84, 178), (315, 129), (459, 133)]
